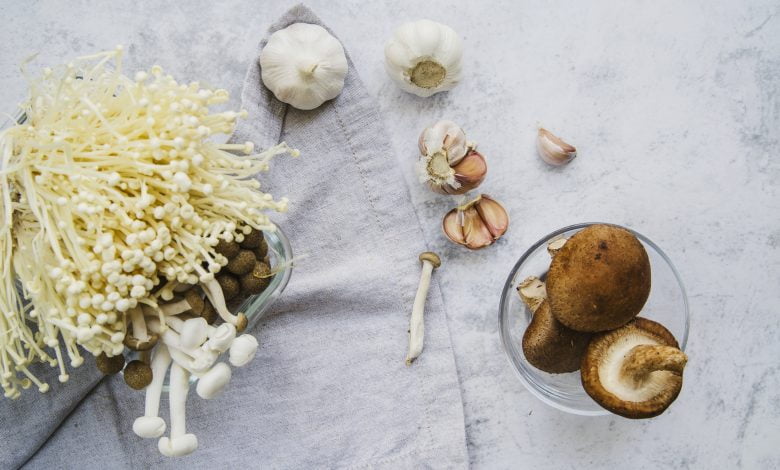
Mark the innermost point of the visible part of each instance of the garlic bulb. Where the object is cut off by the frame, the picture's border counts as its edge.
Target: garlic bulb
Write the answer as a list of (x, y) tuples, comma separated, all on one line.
[(553, 149), (448, 163), (303, 65), (476, 224), (424, 57)]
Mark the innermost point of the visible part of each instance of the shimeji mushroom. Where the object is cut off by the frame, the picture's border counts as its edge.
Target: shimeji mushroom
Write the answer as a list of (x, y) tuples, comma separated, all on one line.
[(243, 350), (179, 443), (214, 381), (140, 339), (196, 360), (150, 425), (634, 371), (217, 299), (599, 279), (191, 303)]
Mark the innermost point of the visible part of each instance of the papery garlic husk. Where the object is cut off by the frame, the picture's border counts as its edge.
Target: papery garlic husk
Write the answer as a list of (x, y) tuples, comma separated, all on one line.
[(424, 57), (553, 149), (448, 163), (303, 65), (476, 224)]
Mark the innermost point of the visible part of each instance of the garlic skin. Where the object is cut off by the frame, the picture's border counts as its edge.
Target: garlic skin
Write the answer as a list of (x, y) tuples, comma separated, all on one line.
[(448, 163), (303, 65), (476, 224), (553, 149), (424, 57)]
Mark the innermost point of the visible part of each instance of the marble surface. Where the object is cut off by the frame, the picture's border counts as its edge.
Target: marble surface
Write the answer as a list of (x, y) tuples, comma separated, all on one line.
[(675, 110)]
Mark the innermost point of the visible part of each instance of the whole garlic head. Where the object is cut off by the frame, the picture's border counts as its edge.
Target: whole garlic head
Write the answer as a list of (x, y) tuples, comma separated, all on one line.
[(424, 57), (448, 163), (303, 65)]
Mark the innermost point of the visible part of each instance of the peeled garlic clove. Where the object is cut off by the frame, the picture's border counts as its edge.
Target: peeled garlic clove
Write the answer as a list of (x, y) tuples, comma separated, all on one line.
[(449, 164), (476, 224), (553, 149), (493, 215)]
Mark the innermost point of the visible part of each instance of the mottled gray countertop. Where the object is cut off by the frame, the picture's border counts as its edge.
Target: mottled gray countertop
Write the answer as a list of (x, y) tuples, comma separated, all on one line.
[(675, 110)]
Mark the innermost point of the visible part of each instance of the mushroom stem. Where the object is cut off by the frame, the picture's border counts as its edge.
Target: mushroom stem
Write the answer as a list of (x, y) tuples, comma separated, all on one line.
[(644, 359), (180, 443), (175, 308), (139, 325), (217, 299), (150, 425), (430, 261)]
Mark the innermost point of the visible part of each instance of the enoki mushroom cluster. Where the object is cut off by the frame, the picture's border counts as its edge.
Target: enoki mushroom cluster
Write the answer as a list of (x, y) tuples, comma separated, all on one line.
[(112, 195)]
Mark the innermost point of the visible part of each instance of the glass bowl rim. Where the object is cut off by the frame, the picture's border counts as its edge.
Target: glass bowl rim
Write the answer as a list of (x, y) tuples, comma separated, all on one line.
[(509, 286)]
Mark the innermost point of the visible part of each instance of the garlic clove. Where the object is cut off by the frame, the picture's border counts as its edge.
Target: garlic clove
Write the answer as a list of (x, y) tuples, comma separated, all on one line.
[(553, 149), (493, 215), (470, 172), (475, 233), (476, 224), (453, 227)]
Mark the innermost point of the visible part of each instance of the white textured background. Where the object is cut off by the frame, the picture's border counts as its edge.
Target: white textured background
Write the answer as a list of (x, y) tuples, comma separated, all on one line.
[(675, 110)]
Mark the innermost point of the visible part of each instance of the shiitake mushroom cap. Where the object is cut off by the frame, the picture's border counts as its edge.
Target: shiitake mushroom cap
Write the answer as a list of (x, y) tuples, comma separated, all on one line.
[(549, 346), (599, 280)]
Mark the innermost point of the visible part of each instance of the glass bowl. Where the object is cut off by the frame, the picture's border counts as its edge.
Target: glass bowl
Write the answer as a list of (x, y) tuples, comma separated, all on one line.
[(667, 305)]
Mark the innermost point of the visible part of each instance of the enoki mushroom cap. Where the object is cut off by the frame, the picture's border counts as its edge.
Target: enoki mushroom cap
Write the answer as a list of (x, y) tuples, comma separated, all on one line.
[(634, 371)]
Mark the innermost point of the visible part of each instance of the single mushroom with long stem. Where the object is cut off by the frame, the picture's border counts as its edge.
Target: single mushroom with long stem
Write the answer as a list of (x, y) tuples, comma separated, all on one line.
[(150, 425), (140, 339), (192, 303), (180, 442), (214, 294), (430, 261)]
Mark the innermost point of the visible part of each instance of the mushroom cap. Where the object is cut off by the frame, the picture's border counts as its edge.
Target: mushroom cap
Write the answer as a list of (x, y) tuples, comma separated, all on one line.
[(209, 313), (149, 426), (261, 251), (599, 279), (214, 381), (257, 280), (550, 346), (252, 239), (228, 249), (138, 374), (194, 298), (242, 263), (431, 257), (229, 284), (634, 371), (109, 364)]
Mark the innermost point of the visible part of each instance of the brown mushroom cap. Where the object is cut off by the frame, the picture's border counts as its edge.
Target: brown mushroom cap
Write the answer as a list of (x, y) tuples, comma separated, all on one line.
[(193, 297), (634, 371), (229, 284), (256, 281), (110, 365), (227, 249), (252, 239), (261, 252), (599, 279), (242, 263), (138, 374), (550, 346), (209, 313), (431, 257)]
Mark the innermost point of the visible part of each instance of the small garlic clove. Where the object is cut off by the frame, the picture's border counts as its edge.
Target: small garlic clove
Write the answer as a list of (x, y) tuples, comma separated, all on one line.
[(475, 233), (470, 172), (553, 149), (453, 227), (493, 215)]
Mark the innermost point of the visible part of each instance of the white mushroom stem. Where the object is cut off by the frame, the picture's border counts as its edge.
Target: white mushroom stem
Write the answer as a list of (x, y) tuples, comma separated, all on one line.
[(150, 425), (219, 338), (195, 360), (139, 324), (179, 443), (642, 360), (533, 292), (417, 323), (175, 308), (217, 298), (556, 245)]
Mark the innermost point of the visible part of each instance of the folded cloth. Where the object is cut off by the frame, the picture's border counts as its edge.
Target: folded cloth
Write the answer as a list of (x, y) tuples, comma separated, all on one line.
[(328, 387)]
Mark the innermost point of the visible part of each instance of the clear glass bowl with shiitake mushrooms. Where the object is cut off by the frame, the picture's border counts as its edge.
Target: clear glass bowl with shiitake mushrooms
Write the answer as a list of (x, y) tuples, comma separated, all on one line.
[(611, 322)]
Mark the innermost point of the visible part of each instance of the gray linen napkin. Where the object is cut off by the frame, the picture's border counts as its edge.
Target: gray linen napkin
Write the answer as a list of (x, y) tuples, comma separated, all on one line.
[(328, 387)]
